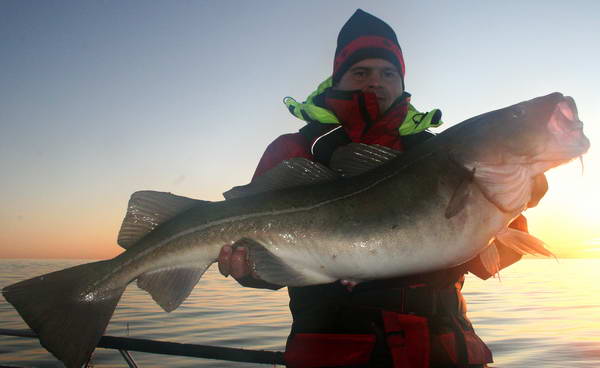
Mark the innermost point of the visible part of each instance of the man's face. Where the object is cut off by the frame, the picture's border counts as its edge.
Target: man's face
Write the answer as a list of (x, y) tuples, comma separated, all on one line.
[(374, 75)]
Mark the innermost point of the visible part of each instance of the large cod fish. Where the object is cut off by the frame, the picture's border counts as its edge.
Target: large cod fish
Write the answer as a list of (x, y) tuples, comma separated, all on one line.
[(377, 214)]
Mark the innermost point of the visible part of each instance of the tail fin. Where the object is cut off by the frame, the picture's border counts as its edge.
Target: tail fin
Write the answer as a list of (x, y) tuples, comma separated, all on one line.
[(68, 309)]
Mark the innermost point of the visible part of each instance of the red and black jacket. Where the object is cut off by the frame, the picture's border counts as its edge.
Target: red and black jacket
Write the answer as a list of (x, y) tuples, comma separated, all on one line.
[(417, 321)]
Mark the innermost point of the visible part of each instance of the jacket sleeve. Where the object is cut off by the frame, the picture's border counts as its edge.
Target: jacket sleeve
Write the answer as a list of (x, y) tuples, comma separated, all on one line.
[(283, 148), (507, 255)]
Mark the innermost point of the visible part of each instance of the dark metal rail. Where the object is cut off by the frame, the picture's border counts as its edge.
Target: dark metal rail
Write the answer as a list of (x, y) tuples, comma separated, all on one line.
[(173, 348)]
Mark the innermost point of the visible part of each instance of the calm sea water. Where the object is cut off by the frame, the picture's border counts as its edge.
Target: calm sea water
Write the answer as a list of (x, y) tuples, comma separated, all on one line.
[(540, 313)]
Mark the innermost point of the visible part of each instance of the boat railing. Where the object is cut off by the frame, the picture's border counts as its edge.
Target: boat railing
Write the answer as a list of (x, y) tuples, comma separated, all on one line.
[(126, 344)]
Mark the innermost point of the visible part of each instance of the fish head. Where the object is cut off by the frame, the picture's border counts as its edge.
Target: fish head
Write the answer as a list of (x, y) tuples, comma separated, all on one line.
[(564, 139), (508, 150), (541, 133)]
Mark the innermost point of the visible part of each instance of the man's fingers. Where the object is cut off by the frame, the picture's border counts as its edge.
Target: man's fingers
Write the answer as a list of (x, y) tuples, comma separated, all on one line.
[(239, 263), (348, 284), (225, 260), (234, 262)]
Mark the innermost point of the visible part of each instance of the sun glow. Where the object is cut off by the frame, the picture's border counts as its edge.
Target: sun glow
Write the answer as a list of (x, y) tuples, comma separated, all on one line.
[(567, 217)]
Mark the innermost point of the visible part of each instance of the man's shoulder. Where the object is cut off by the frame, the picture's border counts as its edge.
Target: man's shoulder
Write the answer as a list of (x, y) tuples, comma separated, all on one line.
[(293, 139), (412, 140)]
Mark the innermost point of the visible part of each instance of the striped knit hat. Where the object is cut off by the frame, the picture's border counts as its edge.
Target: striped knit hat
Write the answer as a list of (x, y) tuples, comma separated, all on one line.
[(365, 36)]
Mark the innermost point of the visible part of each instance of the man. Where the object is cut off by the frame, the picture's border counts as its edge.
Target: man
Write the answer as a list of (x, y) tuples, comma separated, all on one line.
[(417, 321)]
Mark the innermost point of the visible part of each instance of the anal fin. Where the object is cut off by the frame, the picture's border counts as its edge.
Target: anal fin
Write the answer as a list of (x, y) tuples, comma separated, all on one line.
[(170, 287)]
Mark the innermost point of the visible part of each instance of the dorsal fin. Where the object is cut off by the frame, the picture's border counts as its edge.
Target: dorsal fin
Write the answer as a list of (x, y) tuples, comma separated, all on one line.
[(146, 210), (290, 173), (356, 158)]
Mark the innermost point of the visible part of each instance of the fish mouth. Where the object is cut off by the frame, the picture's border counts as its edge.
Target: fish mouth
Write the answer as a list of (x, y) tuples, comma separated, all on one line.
[(568, 140), (566, 127)]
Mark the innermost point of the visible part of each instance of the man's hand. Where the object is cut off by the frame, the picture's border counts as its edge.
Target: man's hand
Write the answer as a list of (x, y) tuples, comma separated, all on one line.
[(234, 261), (348, 284)]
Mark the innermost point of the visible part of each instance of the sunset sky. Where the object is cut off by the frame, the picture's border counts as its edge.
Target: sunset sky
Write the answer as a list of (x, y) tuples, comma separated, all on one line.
[(99, 99)]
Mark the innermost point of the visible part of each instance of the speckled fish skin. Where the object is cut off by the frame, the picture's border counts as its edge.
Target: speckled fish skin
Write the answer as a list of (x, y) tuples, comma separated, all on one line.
[(391, 221), (388, 222)]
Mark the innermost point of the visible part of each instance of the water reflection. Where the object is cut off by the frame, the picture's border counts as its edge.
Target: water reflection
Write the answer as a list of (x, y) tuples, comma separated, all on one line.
[(540, 313)]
